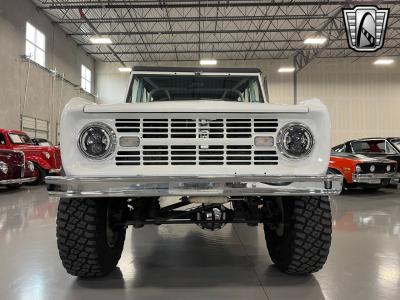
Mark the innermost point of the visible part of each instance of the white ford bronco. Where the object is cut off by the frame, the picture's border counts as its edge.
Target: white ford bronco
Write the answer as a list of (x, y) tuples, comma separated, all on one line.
[(209, 137)]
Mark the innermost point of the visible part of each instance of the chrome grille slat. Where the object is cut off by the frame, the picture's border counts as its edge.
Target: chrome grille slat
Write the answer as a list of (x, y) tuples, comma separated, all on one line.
[(215, 141)]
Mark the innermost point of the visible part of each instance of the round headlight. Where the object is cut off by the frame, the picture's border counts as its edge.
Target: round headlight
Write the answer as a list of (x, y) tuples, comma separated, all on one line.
[(295, 140), (388, 168), (97, 141), (31, 166), (3, 167), (358, 169), (372, 168), (47, 155)]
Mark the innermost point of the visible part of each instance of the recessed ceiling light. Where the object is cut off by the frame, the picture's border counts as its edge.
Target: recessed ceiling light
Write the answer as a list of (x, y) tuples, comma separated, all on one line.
[(124, 69), (286, 70), (315, 40), (100, 40), (383, 61), (208, 62)]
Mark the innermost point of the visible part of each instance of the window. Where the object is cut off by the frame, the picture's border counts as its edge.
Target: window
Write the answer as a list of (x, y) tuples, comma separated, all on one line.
[(86, 79), (373, 146), (149, 88), (20, 138), (339, 148), (396, 142), (35, 44), (2, 139)]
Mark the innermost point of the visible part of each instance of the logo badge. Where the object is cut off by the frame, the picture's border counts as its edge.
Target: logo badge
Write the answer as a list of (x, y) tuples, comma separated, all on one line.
[(365, 27)]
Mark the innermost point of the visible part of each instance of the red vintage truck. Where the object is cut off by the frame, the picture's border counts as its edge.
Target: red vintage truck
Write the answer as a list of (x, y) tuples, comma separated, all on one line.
[(46, 159)]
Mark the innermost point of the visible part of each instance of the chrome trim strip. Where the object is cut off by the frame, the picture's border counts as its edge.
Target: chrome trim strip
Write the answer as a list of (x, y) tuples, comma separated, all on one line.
[(17, 180), (73, 187), (372, 178)]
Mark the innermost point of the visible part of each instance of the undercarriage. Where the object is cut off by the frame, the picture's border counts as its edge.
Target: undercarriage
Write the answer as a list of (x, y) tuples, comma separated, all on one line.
[(251, 211)]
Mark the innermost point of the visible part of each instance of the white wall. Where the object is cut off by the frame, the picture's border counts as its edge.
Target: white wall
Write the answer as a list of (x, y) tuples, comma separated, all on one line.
[(363, 99), (45, 95)]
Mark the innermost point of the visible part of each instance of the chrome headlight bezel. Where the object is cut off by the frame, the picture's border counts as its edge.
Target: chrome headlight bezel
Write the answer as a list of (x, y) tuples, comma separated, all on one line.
[(107, 130), (280, 143), (3, 167)]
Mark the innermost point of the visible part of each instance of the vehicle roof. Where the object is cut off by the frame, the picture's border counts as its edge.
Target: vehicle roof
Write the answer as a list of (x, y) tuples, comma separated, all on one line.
[(13, 131), (196, 69), (369, 139)]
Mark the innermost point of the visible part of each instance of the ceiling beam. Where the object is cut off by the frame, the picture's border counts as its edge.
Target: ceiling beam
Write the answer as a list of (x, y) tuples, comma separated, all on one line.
[(195, 51), (193, 19), (188, 4), (196, 32)]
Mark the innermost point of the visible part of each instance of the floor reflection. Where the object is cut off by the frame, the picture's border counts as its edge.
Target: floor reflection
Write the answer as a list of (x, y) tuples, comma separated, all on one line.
[(181, 262)]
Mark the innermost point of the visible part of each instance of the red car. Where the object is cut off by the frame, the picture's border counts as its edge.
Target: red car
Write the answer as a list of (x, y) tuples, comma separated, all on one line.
[(14, 170), (359, 170), (46, 159)]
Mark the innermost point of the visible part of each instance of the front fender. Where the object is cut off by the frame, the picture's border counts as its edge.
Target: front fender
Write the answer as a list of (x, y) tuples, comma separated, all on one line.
[(41, 162)]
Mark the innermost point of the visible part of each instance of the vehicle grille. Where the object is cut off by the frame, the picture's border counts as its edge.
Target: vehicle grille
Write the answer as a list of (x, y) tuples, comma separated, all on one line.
[(379, 167), (196, 128), (168, 134)]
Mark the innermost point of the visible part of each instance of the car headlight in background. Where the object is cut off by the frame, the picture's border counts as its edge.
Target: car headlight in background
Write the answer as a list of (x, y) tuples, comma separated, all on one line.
[(358, 169), (388, 168), (31, 166), (47, 155), (97, 141), (295, 140), (3, 167), (372, 168)]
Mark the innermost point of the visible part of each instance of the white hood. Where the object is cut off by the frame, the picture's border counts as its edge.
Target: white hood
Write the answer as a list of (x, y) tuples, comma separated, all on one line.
[(210, 106)]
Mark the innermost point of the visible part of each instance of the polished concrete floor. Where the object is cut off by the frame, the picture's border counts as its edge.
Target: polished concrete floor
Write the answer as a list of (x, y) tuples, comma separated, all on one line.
[(185, 262)]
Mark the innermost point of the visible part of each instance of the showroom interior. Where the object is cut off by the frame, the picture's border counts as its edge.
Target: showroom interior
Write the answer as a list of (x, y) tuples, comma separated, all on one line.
[(52, 51)]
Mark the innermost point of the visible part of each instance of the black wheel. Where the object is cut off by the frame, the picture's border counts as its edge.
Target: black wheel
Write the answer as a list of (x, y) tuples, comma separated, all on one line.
[(40, 175), (299, 240), (14, 186), (90, 237)]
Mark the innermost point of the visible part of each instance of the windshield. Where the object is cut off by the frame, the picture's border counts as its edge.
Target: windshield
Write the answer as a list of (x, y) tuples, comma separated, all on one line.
[(373, 146), (20, 139), (155, 87)]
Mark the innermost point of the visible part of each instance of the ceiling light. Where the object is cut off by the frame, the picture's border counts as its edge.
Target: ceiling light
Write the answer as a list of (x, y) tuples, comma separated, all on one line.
[(208, 62), (383, 61), (286, 70), (315, 40), (124, 69), (100, 40)]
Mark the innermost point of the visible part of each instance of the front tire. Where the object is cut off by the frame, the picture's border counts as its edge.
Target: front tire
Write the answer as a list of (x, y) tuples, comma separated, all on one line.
[(89, 240), (299, 244), (40, 173)]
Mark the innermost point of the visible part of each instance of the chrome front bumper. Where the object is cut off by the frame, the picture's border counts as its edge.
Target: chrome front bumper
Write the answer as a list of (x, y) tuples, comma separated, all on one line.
[(371, 178), (74, 187), (17, 181)]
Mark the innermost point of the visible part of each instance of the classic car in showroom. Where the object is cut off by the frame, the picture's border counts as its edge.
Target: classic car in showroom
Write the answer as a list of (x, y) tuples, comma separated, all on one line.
[(362, 171), (14, 169), (373, 147), (209, 137), (46, 159)]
